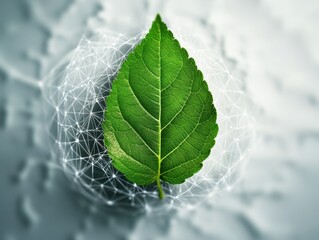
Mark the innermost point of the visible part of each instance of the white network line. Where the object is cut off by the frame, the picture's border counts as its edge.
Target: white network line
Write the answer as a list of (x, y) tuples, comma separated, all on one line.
[(76, 92)]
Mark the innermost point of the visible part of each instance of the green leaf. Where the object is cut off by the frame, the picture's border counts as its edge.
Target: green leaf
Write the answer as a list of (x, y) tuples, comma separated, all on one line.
[(160, 121)]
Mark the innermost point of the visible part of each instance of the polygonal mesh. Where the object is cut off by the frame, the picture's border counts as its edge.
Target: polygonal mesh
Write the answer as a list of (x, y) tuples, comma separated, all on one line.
[(76, 91)]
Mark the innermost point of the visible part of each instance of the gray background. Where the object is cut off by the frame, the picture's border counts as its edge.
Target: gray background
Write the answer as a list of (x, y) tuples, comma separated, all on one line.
[(271, 45)]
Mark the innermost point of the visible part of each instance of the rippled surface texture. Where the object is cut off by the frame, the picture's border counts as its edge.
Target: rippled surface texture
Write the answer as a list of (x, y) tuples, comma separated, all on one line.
[(270, 46)]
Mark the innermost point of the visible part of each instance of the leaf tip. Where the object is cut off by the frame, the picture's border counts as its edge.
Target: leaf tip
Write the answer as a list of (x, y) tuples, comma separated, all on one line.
[(158, 18)]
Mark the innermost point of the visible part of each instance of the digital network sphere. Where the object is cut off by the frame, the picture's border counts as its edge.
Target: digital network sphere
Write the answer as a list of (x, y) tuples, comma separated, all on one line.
[(76, 90)]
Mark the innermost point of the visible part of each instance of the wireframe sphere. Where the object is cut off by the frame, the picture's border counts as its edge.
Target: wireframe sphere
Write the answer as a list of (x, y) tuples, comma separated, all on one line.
[(76, 90)]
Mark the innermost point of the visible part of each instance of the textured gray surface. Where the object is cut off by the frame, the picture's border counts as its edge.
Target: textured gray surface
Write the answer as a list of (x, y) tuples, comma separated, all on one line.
[(271, 45)]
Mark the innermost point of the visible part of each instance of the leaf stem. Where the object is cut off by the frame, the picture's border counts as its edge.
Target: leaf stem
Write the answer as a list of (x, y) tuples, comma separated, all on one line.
[(160, 189)]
